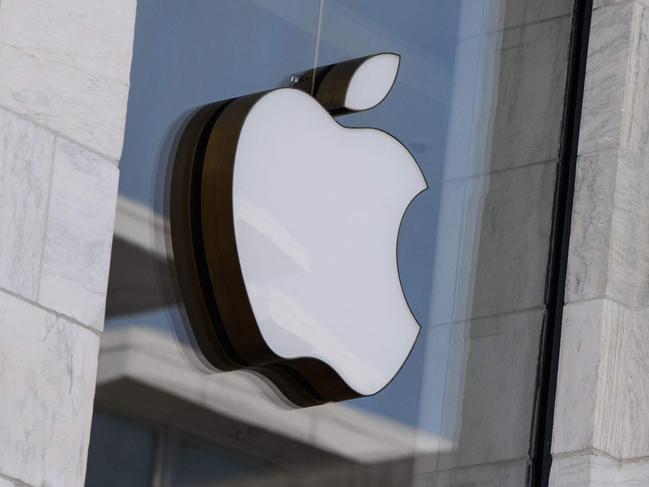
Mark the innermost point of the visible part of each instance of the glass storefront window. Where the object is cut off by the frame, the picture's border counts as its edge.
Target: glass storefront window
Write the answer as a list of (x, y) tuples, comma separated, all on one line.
[(128, 452), (122, 452), (479, 103)]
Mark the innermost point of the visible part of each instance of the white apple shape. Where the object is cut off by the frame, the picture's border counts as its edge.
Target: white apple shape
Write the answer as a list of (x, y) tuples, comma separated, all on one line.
[(371, 81), (317, 209), (284, 232)]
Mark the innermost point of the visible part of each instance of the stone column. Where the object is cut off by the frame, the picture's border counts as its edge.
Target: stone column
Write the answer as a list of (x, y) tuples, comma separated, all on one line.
[(64, 79), (601, 430)]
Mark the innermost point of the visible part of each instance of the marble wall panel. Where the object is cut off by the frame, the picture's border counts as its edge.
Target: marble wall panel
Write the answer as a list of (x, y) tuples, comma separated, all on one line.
[(603, 3), (596, 470), (48, 373), (26, 154), (628, 279), (617, 81), (621, 426), (603, 392), (601, 430), (78, 236), (64, 78), (606, 74), (590, 236), (68, 68), (579, 369)]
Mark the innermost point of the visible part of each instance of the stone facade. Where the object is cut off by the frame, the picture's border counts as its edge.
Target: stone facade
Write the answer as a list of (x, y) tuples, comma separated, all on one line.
[(63, 93), (601, 432)]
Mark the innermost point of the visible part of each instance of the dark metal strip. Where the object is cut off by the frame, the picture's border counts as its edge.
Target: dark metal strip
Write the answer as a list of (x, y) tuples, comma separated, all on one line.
[(540, 448)]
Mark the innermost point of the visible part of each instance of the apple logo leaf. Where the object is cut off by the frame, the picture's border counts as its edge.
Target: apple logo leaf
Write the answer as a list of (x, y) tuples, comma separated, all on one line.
[(372, 81), (351, 86), (284, 230)]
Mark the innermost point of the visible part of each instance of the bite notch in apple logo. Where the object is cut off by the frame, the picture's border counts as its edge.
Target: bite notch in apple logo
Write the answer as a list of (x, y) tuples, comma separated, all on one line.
[(284, 230)]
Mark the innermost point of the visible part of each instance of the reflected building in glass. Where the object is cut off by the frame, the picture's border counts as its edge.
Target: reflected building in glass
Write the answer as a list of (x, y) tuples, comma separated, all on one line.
[(479, 102)]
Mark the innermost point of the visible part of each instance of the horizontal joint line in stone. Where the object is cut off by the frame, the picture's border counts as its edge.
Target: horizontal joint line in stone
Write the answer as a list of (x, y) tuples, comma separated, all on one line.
[(16, 482), (605, 297), (623, 2), (616, 148), (596, 451), (60, 135), (51, 311)]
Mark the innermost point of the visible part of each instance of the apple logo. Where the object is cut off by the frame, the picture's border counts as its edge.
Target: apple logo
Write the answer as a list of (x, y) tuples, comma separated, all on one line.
[(284, 230)]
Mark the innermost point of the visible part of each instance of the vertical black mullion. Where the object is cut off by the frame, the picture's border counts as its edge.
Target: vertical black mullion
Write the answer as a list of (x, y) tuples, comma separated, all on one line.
[(558, 262)]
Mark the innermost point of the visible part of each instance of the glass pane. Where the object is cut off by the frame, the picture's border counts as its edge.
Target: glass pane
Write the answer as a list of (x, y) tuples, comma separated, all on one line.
[(478, 101), (195, 463), (121, 452), (193, 52)]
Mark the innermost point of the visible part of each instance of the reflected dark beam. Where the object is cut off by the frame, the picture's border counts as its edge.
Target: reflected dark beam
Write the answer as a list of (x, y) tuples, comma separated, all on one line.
[(139, 278), (138, 281)]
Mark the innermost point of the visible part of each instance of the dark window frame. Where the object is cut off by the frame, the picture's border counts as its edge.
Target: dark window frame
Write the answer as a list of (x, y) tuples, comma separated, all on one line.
[(541, 440)]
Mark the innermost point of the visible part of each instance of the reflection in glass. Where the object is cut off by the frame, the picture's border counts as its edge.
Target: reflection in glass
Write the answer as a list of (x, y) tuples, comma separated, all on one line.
[(196, 463), (478, 102), (121, 452)]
